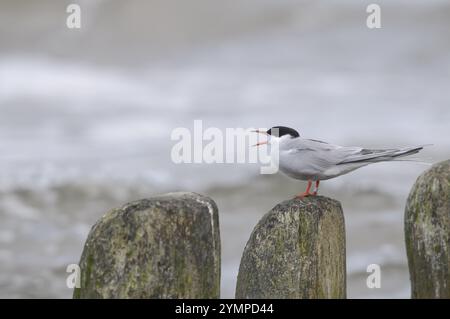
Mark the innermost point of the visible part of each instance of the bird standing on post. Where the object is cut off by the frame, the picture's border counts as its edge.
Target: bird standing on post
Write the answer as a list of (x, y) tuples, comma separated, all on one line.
[(313, 161)]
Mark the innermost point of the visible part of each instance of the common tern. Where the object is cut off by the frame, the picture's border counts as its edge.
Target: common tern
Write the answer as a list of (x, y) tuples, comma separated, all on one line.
[(313, 161)]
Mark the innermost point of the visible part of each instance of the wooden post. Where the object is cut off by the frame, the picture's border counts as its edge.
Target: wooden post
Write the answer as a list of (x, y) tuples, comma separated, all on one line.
[(163, 247), (427, 233), (297, 250)]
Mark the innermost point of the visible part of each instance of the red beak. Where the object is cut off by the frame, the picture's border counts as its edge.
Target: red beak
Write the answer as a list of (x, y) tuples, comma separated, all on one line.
[(260, 132)]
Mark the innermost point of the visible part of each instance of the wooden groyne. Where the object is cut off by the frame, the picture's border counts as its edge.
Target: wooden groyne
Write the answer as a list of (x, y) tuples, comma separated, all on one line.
[(427, 233), (297, 250), (169, 246), (163, 247)]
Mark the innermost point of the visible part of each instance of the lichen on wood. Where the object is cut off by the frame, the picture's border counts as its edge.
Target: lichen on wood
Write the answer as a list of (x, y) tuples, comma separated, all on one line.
[(427, 233), (163, 247), (297, 250)]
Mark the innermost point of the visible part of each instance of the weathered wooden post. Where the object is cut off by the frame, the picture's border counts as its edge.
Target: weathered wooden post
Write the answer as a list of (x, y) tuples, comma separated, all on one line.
[(297, 250), (163, 247), (427, 233)]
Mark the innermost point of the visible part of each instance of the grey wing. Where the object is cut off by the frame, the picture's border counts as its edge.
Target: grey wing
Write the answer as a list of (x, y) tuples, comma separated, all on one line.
[(317, 156), (313, 159), (325, 153), (373, 156), (328, 154)]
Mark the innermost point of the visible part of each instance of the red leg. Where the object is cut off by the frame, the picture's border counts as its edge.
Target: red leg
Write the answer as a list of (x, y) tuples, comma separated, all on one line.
[(306, 193), (316, 189)]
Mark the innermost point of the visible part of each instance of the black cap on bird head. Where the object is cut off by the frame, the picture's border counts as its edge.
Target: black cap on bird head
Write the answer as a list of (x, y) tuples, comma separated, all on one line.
[(279, 131)]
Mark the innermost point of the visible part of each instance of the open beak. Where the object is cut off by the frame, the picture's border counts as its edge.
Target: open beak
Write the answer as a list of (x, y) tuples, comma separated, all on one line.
[(260, 143), (260, 132)]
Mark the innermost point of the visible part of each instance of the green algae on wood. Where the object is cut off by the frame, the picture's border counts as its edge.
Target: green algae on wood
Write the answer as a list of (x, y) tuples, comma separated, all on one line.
[(427, 233), (163, 247), (297, 250)]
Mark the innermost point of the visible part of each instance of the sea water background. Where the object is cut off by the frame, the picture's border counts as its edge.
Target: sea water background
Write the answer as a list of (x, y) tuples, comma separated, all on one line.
[(86, 117)]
